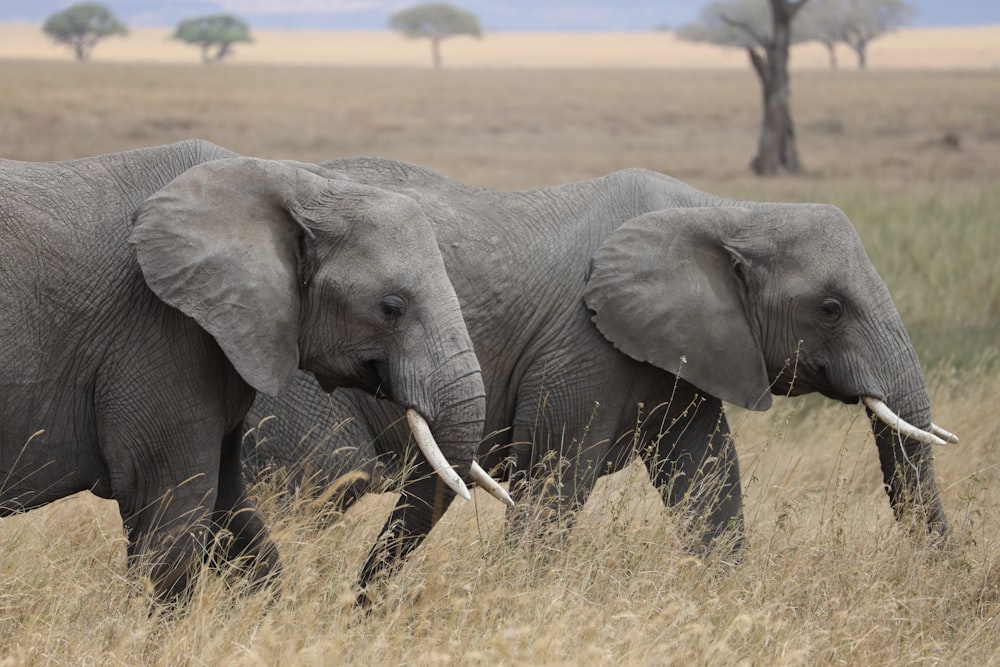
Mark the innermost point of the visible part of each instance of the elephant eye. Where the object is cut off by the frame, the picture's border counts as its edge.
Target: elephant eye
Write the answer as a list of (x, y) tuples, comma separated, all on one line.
[(393, 306), (832, 308)]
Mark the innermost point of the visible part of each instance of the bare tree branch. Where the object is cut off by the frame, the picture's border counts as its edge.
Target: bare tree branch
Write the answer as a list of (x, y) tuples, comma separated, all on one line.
[(759, 63), (747, 28), (794, 7)]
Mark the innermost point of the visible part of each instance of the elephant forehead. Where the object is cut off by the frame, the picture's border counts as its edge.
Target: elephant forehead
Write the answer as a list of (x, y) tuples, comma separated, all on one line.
[(382, 227), (383, 250), (373, 262), (816, 245)]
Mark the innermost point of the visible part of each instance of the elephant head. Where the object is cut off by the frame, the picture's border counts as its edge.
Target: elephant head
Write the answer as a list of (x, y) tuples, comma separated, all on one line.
[(287, 269), (747, 300)]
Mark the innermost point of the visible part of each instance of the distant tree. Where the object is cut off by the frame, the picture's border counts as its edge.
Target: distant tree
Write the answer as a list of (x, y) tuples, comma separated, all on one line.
[(764, 29), (82, 26), (820, 22), (436, 22), (215, 34), (855, 23)]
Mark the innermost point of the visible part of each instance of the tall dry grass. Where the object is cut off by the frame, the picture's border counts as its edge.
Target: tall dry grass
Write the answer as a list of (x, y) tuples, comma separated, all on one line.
[(828, 576)]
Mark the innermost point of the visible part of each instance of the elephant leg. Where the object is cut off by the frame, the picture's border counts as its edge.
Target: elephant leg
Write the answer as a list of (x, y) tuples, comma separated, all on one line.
[(555, 468), (692, 462), (423, 499), (168, 534), (548, 499), (248, 546), (164, 472)]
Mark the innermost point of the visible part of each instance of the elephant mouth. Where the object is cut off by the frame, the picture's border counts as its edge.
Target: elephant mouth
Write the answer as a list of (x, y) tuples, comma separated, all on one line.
[(369, 376), (849, 399)]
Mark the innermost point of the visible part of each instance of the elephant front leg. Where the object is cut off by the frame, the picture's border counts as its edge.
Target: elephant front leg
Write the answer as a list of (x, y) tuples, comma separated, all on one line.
[(168, 537), (423, 499), (247, 546), (548, 497), (692, 462), (173, 532), (551, 477)]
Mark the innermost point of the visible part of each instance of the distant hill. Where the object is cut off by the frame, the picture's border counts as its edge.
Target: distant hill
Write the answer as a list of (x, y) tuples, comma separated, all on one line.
[(508, 16)]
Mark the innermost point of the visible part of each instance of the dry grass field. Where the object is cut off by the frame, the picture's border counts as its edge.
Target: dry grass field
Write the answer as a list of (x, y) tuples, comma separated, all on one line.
[(828, 577)]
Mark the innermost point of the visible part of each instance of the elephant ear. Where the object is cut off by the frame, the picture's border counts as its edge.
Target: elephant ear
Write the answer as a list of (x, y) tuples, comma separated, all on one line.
[(669, 288), (222, 243)]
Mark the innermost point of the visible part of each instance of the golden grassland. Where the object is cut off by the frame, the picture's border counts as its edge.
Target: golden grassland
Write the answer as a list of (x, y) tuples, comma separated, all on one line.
[(828, 577), (916, 48)]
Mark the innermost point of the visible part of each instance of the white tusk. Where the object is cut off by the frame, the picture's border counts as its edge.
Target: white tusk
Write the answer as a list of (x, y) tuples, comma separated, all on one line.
[(905, 428), (941, 433), (483, 479), (425, 441)]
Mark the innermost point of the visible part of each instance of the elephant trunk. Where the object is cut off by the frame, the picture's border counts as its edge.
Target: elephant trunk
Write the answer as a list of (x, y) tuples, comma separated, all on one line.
[(903, 433), (429, 448), (449, 405), (452, 400), (423, 499)]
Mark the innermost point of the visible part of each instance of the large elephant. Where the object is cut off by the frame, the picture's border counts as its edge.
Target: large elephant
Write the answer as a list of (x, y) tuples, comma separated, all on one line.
[(146, 295), (612, 318)]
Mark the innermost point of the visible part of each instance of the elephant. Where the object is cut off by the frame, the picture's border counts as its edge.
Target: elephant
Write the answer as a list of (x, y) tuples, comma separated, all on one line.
[(148, 295), (612, 319)]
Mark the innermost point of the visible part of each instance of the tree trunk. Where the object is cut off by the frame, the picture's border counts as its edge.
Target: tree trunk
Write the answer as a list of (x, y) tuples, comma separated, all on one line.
[(436, 51), (81, 49), (861, 48), (222, 51), (831, 51), (776, 150)]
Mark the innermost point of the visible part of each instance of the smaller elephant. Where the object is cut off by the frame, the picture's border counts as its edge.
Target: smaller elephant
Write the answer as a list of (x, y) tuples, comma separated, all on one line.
[(612, 318), (146, 296)]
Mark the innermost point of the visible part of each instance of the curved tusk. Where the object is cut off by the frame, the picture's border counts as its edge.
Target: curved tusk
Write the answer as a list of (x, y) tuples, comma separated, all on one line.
[(425, 441), (488, 484), (941, 433), (905, 428)]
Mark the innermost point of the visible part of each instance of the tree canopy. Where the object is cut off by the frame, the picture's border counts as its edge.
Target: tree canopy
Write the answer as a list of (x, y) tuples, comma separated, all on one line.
[(743, 24), (215, 31), (855, 23), (82, 26), (436, 22)]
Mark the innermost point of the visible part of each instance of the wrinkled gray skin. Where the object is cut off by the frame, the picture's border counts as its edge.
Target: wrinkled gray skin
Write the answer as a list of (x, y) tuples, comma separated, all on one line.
[(146, 295), (612, 318)]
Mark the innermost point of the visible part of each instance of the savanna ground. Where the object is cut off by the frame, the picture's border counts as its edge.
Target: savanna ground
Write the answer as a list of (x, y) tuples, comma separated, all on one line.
[(828, 576)]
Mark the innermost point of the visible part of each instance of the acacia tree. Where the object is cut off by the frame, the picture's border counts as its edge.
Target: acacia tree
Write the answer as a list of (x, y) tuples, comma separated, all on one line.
[(215, 31), (820, 22), (765, 31), (855, 23), (82, 26), (436, 22)]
